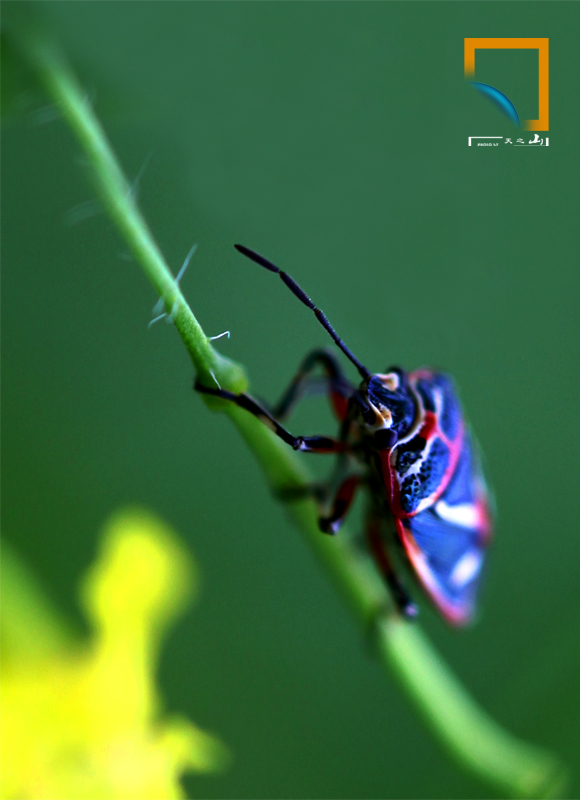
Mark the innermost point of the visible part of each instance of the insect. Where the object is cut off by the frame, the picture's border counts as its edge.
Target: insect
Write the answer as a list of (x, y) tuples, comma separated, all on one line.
[(403, 437)]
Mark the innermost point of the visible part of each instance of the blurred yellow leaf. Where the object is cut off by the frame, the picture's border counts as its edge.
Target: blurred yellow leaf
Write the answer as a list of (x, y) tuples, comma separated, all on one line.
[(82, 719)]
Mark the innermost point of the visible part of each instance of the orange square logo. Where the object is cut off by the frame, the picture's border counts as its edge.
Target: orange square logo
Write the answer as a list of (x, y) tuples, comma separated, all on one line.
[(541, 45)]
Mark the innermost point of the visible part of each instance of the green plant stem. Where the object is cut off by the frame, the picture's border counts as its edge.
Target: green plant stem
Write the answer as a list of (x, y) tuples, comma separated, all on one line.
[(117, 197), (475, 741)]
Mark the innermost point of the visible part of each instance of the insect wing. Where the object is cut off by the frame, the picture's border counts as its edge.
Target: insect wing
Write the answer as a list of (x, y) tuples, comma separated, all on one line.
[(446, 543), (426, 462)]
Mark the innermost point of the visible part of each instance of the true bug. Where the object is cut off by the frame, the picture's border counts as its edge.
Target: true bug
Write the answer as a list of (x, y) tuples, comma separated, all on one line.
[(405, 436)]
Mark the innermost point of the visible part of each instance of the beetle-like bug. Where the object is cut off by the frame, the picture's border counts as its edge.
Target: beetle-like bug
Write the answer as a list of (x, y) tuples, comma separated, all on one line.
[(404, 438)]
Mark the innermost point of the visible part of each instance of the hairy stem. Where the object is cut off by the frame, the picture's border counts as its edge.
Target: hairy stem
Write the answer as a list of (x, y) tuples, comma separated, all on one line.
[(473, 739)]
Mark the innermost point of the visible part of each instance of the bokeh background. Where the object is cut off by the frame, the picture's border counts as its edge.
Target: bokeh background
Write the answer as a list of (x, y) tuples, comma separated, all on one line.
[(332, 137)]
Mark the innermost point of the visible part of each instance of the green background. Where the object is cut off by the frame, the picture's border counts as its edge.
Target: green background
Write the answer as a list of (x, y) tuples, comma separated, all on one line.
[(332, 137)]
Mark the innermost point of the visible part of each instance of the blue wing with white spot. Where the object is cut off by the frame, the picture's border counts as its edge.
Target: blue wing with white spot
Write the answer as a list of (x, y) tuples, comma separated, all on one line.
[(446, 542)]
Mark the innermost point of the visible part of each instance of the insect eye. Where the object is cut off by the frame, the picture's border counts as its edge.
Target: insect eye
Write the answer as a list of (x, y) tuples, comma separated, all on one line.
[(385, 439), (398, 378), (369, 416)]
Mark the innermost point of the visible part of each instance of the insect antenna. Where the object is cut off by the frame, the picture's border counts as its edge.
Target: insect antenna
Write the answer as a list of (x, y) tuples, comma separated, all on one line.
[(301, 295)]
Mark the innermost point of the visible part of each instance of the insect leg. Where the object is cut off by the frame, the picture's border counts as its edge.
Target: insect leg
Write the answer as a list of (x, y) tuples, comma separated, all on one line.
[(382, 559), (307, 444), (341, 505), (336, 385)]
